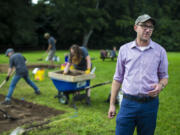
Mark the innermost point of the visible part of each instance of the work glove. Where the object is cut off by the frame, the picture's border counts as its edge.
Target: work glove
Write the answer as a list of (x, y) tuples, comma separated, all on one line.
[(7, 78), (87, 71)]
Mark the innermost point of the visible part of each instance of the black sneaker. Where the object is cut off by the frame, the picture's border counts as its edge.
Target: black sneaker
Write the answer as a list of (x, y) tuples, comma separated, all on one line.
[(5, 102), (38, 92)]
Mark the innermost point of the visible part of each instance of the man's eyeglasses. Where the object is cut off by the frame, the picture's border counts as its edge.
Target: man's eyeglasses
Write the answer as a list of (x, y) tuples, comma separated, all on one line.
[(145, 27)]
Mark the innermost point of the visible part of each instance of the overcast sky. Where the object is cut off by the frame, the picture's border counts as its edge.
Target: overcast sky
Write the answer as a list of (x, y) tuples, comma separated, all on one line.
[(34, 1)]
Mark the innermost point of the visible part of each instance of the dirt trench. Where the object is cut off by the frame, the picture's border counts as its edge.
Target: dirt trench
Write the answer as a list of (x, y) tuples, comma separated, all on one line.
[(4, 67), (21, 112)]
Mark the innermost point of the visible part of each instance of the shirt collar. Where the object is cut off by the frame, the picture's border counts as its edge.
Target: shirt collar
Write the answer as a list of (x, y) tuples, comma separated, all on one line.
[(133, 45)]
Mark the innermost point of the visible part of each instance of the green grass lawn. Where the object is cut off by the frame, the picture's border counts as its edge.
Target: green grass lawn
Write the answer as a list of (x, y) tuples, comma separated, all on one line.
[(93, 120)]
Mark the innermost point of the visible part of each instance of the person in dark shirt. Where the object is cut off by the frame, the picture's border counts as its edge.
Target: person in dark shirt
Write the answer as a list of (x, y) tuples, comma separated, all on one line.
[(113, 53), (51, 47), (17, 61), (81, 60)]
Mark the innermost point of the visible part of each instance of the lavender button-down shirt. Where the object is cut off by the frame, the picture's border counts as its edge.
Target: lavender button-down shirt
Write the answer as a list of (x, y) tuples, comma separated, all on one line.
[(137, 70)]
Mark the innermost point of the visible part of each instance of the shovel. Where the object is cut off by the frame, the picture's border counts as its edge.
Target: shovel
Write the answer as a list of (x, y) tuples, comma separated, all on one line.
[(21, 131), (2, 83), (6, 116)]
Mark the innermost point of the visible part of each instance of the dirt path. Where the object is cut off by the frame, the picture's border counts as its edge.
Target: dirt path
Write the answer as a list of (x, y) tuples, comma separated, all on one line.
[(4, 67), (21, 112)]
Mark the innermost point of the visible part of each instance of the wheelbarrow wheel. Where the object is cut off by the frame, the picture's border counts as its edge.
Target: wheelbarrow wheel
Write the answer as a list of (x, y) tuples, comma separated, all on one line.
[(63, 99)]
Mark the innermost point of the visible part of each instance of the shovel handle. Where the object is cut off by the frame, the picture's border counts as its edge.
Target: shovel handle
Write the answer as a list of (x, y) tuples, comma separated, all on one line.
[(2, 83)]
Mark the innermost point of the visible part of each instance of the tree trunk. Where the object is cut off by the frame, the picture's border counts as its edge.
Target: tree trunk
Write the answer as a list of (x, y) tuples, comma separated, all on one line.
[(86, 38), (88, 35)]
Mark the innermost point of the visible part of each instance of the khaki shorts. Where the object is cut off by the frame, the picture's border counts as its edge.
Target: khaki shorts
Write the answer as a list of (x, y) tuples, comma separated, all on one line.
[(51, 54)]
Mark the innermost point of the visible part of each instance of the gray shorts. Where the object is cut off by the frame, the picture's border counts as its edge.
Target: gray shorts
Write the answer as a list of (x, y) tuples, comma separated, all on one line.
[(51, 54)]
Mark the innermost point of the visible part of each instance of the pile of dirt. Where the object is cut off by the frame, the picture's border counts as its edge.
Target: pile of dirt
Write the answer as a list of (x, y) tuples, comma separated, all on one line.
[(21, 112), (75, 73)]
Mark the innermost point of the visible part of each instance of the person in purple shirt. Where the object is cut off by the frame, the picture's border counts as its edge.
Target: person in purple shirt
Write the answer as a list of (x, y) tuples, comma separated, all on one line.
[(142, 73)]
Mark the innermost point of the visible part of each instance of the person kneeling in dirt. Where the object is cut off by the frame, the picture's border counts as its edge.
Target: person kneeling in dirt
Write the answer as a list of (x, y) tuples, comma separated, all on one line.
[(81, 60), (103, 54), (18, 61)]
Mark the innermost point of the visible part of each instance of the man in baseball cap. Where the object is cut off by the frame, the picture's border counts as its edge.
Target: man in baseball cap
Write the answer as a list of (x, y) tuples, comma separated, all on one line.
[(8, 51), (143, 18), (17, 61), (141, 73)]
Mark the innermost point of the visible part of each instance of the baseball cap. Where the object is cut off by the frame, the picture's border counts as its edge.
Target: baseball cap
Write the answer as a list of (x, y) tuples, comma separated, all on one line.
[(144, 18), (8, 51)]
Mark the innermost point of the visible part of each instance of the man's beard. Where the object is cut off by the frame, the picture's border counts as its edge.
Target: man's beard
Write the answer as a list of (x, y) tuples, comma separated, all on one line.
[(144, 40)]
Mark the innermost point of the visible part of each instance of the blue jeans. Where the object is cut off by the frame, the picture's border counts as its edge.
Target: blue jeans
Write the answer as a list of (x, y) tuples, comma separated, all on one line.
[(15, 80), (135, 114)]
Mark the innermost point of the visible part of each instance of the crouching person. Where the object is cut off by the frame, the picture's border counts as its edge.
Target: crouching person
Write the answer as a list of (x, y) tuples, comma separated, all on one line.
[(81, 60), (17, 61)]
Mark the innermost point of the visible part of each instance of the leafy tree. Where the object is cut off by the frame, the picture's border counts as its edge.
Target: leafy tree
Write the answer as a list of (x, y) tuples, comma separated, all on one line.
[(96, 24), (17, 26)]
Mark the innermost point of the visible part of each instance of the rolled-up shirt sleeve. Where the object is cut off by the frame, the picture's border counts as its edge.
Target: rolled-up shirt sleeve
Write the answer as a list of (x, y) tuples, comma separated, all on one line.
[(163, 66), (120, 68)]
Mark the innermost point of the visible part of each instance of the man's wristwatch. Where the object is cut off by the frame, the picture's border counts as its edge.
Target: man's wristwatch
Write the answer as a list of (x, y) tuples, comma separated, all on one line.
[(163, 86)]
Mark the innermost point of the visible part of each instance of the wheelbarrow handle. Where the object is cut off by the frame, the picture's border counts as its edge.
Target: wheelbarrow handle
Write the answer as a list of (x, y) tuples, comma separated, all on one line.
[(99, 84)]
